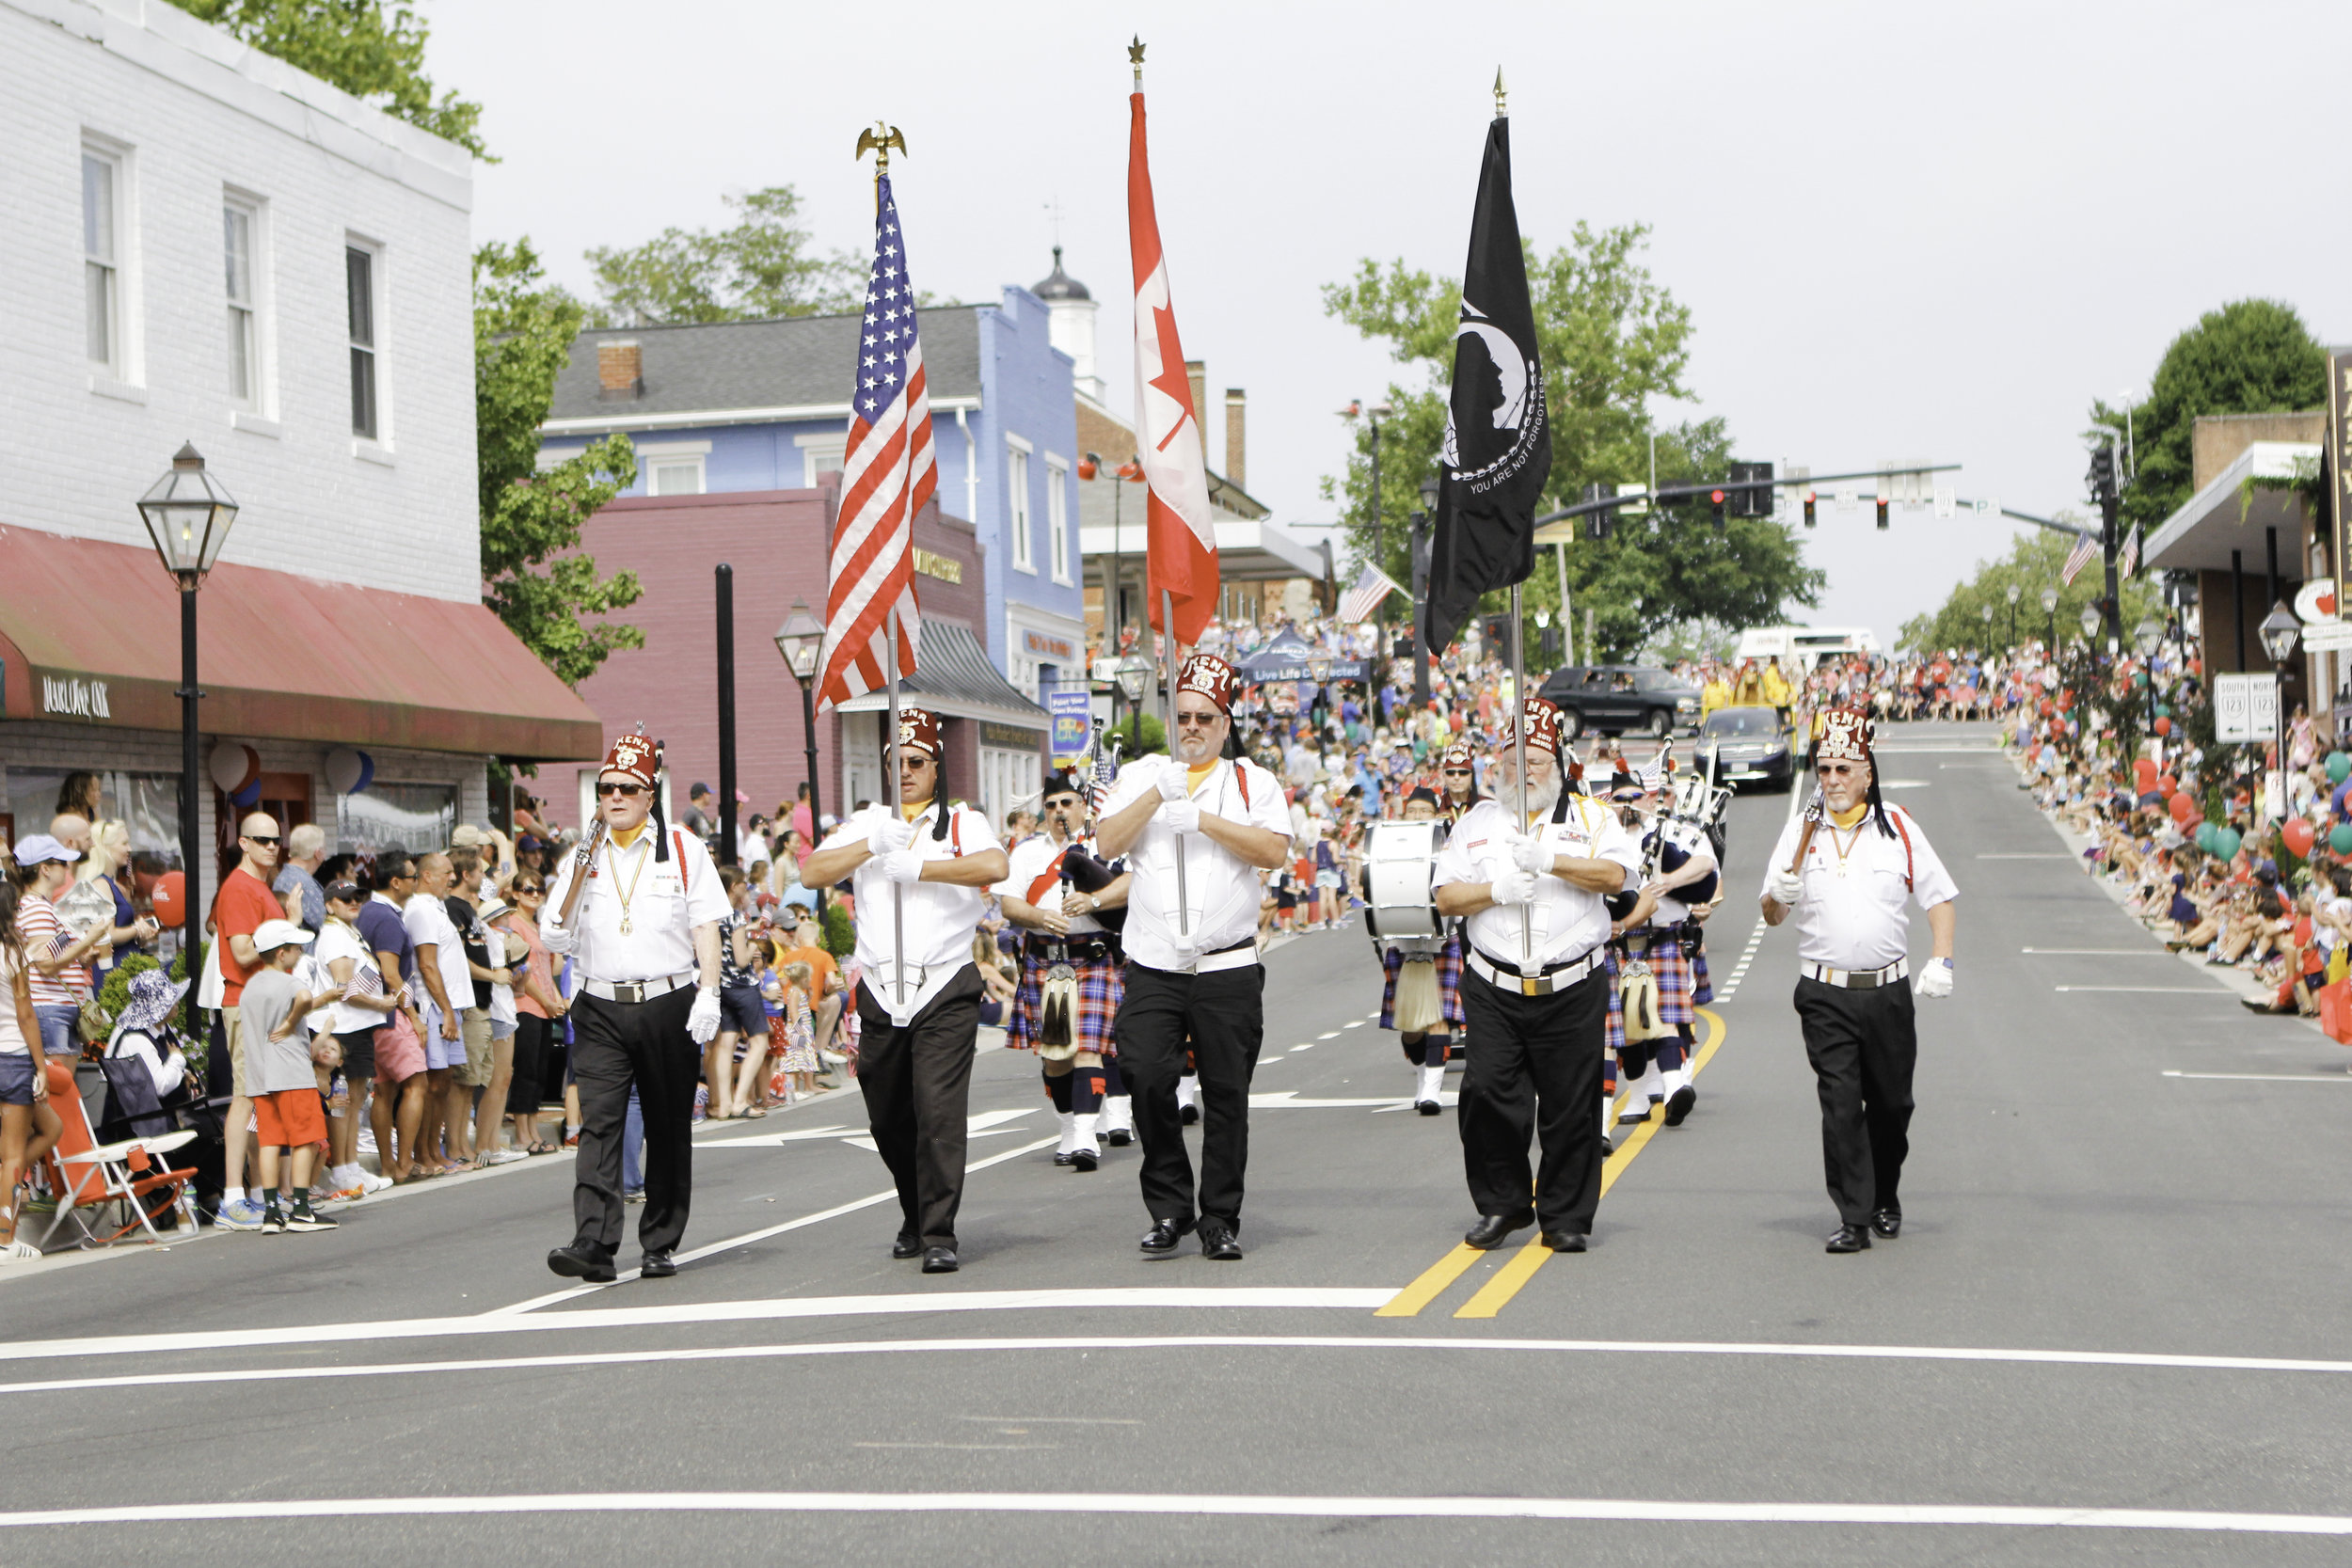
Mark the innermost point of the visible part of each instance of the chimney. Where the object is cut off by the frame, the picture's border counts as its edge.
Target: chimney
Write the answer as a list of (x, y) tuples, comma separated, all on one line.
[(1199, 371), (620, 369), (1236, 445)]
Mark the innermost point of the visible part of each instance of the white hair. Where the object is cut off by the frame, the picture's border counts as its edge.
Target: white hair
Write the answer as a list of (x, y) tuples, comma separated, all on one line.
[(307, 839)]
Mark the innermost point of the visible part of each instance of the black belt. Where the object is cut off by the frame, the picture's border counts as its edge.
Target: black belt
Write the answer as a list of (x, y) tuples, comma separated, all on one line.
[(1091, 949)]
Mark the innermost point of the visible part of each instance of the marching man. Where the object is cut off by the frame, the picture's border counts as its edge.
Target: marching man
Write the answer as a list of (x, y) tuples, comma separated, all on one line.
[(1071, 974), (645, 941), (1433, 1000), (1531, 888), (1653, 954), (1197, 831), (915, 1044), (1845, 874)]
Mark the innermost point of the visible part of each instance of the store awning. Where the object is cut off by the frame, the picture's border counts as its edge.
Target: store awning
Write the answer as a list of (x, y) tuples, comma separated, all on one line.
[(89, 633), (2233, 510), (953, 678)]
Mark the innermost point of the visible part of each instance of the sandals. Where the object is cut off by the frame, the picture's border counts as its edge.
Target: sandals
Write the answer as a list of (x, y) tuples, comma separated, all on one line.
[(756, 1112), (542, 1147)]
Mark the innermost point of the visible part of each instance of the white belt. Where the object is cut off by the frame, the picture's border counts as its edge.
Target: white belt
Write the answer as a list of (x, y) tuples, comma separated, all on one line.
[(1856, 979), (1556, 978), (637, 991), (1240, 956)]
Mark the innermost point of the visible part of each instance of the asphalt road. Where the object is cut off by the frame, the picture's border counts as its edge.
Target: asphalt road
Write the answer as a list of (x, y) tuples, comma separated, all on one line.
[(2112, 1329)]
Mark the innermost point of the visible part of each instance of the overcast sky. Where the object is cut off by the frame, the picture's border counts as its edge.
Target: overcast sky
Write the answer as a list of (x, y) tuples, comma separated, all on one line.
[(1902, 232)]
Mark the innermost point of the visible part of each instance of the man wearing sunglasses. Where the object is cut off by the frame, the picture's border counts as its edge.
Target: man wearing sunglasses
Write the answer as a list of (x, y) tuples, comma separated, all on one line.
[(245, 903), (935, 861), (646, 940), (1193, 976)]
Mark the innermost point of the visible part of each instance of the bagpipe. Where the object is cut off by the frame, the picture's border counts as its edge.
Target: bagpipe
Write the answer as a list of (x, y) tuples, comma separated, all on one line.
[(1080, 871)]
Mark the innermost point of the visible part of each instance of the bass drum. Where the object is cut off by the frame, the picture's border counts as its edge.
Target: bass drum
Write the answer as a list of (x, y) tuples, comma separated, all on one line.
[(1399, 877)]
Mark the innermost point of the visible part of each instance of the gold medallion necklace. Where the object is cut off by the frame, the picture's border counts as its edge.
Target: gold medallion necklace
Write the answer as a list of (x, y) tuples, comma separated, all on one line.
[(613, 855)]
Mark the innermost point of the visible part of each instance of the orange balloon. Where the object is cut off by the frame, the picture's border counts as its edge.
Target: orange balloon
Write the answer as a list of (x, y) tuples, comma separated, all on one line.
[(171, 900)]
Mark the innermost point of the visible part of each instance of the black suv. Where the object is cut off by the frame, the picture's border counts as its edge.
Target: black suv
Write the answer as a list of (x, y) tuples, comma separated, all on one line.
[(1619, 699)]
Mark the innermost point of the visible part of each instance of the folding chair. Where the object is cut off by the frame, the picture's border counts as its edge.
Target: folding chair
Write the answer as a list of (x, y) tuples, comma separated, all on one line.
[(85, 1174)]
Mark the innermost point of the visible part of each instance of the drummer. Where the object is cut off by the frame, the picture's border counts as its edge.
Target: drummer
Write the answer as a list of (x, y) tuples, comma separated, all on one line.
[(1426, 1049)]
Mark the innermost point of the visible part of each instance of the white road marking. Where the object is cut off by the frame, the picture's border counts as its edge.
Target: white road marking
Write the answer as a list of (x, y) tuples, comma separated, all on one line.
[(2037, 855), (2159, 990), (1329, 1034), (1353, 1023), (2267, 1077), (2099, 952), (773, 1140), (1905, 783), (1287, 1099), (1058, 1300), (1243, 1505), (962, 1448)]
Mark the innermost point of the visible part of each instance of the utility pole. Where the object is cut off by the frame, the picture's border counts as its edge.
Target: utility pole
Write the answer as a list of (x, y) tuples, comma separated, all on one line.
[(2105, 491)]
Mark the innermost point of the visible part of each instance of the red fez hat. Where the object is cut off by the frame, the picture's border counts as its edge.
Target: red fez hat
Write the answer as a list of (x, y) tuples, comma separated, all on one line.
[(635, 755), (1541, 722), (1845, 736), (1458, 755), (919, 728), (1211, 678)]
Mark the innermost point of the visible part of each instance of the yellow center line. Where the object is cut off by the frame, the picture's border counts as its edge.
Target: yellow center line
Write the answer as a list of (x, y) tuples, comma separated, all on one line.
[(1434, 1280)]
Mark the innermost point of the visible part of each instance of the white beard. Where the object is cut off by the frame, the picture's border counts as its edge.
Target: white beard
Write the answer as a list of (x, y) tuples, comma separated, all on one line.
[(1540, 797)]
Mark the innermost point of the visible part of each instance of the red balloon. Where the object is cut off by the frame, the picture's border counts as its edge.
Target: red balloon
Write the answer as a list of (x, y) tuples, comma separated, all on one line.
[(2182, 808), (2167, 784), (2048, 708), (2066, 700), (171, 900), (2298, 835), (2164, 726)]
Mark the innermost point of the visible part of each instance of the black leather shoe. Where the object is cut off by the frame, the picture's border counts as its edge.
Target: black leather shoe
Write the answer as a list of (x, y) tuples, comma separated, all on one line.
[(1119, 1137), (1188, 1114), (1492, 1230), (1160, 1241), (908, 1245), (1428, 1107), (657, 1265), (1888, 1223), (1849, 1237), (1218, 1242), (1063, 1159), (1608, 1145), (1085, 1159), (1565, 1240), (940, 1260), (1678, 1105), (580, 1262)]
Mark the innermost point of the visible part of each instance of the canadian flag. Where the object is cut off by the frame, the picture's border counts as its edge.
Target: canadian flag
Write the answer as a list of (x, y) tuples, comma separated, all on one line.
[(1183, 541)]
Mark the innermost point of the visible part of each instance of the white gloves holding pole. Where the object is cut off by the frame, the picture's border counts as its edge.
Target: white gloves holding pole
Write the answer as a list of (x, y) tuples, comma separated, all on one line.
[(889, 834), (1512, 887), (1784, 886), (1529, 854), (701, 1023)]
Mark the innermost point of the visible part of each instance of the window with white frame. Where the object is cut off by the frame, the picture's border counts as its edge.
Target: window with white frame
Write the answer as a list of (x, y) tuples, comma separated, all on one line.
[(1017, 513), (1058, 518), (361, 294), (101, 257), (820, 456), (241, 238), (674, 476)]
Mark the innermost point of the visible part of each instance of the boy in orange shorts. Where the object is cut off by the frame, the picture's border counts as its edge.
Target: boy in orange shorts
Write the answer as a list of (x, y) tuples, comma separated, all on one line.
[(286, 1110)]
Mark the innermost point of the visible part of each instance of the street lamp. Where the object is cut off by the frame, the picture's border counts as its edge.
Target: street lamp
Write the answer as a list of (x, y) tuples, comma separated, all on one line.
[(2015, 594), (2090, 622), (799, 640), (2148, 637), (188, 515), (2049, 608), (1135, 675), (1987, 611), (2279, 630)]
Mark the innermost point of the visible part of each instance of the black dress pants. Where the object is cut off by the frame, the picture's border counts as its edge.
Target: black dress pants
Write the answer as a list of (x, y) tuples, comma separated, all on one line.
[(1864, 1046), (1221, 1017), (617, 1044), (1534, 1068), (918, 1082)]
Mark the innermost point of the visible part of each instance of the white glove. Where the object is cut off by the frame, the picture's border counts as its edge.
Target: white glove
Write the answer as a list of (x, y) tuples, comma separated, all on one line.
[(1529, 854), (1513, 887), (702, 1025), (1784, 886), (1936, 980), (889, 834), (558, 939), (1182, 816), (1187, 951), (1173, 782), (902, 865)]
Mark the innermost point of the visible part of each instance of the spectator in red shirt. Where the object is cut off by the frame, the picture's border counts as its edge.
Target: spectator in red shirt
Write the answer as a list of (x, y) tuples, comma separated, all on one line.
[(244, 903)]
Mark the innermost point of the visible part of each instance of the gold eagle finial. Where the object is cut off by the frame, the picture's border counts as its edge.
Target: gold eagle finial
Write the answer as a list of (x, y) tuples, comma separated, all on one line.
[(880, 140)]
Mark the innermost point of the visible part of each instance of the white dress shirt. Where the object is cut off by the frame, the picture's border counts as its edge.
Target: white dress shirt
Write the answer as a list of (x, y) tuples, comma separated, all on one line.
[(1564, 922), (1851, 915), (940, 917), (428, 922), (1030, 859), (1221, 889), (664, 901)]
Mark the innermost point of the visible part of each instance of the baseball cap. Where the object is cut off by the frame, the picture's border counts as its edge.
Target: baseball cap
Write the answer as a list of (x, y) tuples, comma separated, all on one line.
[(346, 892), (275, 934), (38, 849)]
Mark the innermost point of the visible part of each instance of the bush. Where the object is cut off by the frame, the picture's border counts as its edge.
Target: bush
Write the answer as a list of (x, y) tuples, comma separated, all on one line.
[(841, 935)]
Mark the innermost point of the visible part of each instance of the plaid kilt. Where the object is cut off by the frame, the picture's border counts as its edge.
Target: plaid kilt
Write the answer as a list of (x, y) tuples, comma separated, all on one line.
[(1449, 961), (1102, 984), (1702, 984), (1672, 968)]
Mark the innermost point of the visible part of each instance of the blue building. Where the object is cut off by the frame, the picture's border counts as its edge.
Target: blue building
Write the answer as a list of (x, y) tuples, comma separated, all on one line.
[(765, 405)]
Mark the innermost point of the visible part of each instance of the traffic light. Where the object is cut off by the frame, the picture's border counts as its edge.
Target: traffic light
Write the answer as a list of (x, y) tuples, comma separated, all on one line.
[(2102, 474), (1597, 524), (1497, 634), (1809, 520), (1752, 502), (1881, 512), (1548, 646), (1717, 497)]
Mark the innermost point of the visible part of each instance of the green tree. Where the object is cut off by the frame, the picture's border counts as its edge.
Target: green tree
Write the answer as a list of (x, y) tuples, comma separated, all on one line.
[(1612, 340), (534, 576), (2250, 357), (371, 51), (765, 265), (2033, 564)]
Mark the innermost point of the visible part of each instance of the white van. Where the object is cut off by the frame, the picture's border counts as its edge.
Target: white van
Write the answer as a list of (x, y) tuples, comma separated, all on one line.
[(1801, 647)]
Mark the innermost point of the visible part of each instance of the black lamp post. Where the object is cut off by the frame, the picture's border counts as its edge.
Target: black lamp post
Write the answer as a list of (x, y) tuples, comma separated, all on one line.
[(1423, 521), (1135, 675), (799, 640), (1987, 610), (188, 515), (2015, 593), (2148, 637), (2049, 608), (722, 619), (2091, 623)]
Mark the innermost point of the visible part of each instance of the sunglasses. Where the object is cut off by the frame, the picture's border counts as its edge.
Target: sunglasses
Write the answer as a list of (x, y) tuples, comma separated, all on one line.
[(270, 839), (1457, 772), (1197, 720), (628, 791)]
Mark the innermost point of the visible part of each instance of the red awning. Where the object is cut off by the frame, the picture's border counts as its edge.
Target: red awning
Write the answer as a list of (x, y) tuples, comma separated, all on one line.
[(90, 632)]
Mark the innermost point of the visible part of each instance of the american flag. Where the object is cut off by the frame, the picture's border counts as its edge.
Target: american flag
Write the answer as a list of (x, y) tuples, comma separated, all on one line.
[(1372, 585), (2085, 545), (889, 470), (2127, 559)]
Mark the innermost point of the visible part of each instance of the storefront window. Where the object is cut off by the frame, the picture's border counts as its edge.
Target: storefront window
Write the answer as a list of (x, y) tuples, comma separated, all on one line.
[(147, 803), (410, 816)]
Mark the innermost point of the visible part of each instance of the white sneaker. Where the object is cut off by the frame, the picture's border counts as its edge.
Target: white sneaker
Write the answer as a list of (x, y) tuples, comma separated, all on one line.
[(504, 1157), (371, 1183)]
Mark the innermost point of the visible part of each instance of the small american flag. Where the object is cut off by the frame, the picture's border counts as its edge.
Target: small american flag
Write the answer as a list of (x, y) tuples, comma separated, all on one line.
[(2085, 545), (1372, 585), (889, 470), (2127, 561)]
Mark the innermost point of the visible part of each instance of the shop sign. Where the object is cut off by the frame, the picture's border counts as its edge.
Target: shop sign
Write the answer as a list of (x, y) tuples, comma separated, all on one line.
[(1008, 735), (938, 566), (72, 697), (1072, 724), (1046, 645)]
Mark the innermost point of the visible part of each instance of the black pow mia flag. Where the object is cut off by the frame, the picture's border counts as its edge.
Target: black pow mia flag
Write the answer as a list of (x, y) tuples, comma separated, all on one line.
[(1498, 438)]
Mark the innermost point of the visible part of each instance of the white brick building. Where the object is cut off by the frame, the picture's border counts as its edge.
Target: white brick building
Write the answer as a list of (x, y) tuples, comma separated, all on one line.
[(206, 246)]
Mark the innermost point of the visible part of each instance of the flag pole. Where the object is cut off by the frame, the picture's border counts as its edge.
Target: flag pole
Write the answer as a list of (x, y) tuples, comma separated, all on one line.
[(1167, 624), (882, 140), (1518, 728)]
